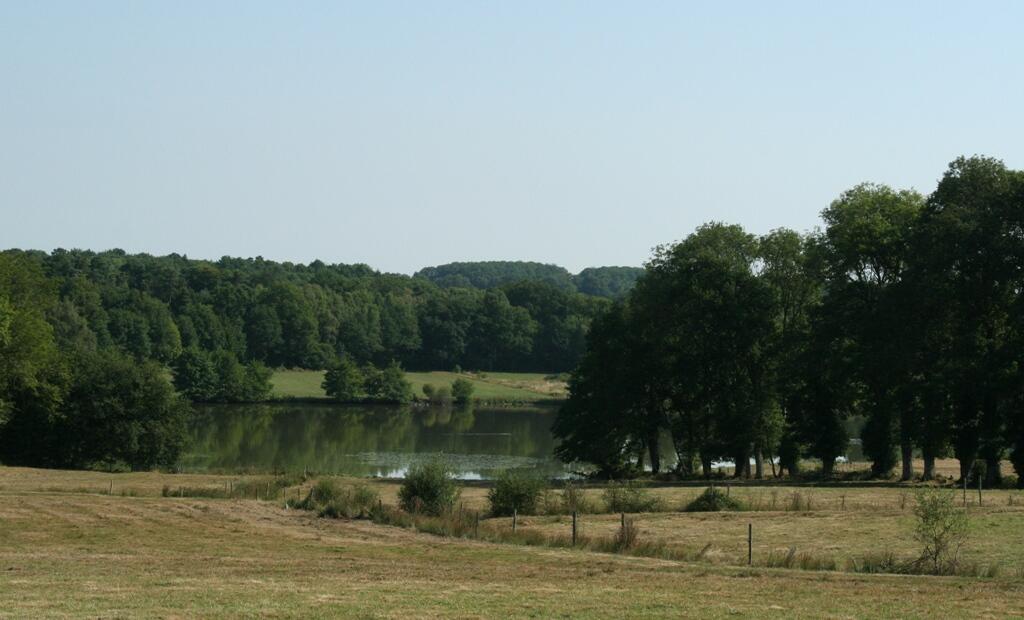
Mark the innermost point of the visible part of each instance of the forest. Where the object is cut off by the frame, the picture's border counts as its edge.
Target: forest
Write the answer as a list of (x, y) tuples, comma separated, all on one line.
[(89, 339), (905, 309)]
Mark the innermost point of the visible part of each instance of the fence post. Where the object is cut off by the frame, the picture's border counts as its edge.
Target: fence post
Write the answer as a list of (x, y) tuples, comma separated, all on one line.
[(622, 521), (573, 528), (476, 526), (515, 515), (965, 490), (979, 491), (110, 491), (750, 544)]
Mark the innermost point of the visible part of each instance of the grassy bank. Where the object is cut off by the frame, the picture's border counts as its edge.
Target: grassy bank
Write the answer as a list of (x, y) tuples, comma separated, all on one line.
[(497, 387), (69, 552)]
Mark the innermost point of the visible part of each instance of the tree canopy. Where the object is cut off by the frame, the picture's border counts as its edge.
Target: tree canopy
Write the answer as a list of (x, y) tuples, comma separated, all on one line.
[(904, 311)]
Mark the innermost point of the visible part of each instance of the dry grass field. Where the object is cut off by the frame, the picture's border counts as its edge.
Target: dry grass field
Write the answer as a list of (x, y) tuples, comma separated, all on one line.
[(68, 549)]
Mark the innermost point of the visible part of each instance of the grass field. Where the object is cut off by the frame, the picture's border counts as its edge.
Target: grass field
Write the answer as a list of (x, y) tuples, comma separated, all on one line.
[(493, 387), (69, 549)]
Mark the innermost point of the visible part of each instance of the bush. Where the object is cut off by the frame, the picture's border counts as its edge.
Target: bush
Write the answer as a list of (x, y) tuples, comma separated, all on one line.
[(429, 488), (630, 496), (343, 381), (330, 498), (440, 395), (462, 390), (713, 500), (514, 491), (941, 527), (574, 499), (388, 385)]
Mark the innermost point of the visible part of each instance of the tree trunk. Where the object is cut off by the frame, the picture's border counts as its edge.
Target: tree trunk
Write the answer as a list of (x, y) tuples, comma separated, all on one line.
[(654, 447), (758, 463), (907, 454), (705, 466), (993, 475), (929, 463), (965, 468), (828, 465)]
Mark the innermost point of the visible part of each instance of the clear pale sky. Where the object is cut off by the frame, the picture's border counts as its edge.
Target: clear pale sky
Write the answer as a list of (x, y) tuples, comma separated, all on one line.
[(407, 134)]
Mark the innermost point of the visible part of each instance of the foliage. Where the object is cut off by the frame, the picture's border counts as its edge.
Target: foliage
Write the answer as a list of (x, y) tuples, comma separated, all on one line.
[(904, 312), (515, 491), (388, 385), (343, 381), (629, 496), (220, 377), (462, 390), (429, 488), (713, 500), (331, 498), (941, 527), (493, 274), (118, 409)]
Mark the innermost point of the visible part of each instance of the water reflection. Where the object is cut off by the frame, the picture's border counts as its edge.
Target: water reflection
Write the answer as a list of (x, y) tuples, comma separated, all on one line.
[(370, 440)]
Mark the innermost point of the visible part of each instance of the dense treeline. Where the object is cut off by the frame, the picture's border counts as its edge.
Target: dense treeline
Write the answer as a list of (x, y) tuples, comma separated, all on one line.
[(98, 351), (611, 282), (308, 316), (905, 310)]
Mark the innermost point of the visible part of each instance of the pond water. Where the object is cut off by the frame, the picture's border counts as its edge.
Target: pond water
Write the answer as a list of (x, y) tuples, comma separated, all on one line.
[(375, 440)]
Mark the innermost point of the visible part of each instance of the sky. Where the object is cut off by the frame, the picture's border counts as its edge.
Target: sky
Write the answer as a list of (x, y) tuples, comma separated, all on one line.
[(409, 134)]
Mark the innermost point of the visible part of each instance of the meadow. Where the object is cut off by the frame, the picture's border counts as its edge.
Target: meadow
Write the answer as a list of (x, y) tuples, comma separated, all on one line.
[(490, 387), (86, 544)]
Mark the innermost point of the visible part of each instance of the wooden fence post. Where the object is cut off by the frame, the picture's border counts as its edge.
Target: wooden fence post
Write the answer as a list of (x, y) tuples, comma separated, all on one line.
[(476, 526), (515, 515), (979, 491), (573, 528), (965, 490)]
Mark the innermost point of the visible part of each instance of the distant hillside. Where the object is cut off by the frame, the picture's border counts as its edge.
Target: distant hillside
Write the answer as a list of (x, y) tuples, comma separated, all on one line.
[(608, 282)]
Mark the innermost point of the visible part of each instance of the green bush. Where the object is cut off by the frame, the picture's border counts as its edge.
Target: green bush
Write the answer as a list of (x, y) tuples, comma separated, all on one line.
[(514, 491), (462, 390), (387, 385), (343, 381), (630, 496), (942, 528), (331, 498), (429, 488), (713, 500)]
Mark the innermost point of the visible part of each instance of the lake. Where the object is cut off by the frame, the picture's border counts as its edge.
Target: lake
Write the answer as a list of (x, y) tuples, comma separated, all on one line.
[(371, 440)]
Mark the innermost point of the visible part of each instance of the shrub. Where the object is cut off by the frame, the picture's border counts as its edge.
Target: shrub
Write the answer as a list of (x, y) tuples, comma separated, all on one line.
[(799, 502), (388, 385), (343, 381), (441, 396), (629, 496), (941, 527), (330, 498), (574, 499), (462, 390), (713, 500), (428, 390), (429, 488), (514, 491), (627, 535)]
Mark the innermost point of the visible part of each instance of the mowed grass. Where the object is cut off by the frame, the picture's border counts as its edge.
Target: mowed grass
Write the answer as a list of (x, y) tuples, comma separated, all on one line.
[(493, 387), (76, 554)]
